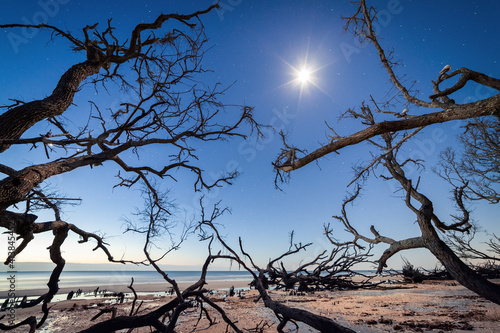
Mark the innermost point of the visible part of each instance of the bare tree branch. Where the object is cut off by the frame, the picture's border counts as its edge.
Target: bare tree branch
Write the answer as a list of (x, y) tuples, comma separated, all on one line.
[(361, 25)]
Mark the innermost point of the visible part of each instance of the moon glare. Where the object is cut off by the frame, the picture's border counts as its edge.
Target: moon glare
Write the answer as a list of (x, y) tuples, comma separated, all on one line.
[(304, 76)]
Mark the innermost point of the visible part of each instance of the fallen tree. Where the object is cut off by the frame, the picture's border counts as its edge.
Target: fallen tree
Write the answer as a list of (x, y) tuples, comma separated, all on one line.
[(159, 65), (388, 136)]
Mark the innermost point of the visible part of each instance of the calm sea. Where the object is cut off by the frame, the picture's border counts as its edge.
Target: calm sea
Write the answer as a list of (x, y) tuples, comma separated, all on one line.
[(80, 279)]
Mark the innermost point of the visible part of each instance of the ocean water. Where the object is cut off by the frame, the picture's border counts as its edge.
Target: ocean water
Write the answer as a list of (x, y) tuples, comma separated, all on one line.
[(81, 279)]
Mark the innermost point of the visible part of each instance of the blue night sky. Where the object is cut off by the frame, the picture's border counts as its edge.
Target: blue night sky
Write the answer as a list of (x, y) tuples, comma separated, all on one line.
[(258, 46)]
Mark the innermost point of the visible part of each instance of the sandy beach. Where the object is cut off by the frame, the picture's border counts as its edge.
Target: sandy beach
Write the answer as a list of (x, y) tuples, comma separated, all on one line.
[(433, 306), (140, 288)]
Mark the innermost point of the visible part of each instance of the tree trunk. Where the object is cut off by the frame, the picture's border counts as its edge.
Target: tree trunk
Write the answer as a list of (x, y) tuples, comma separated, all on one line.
[(455, 266), (323, 324), (17, 120), (463, 273)]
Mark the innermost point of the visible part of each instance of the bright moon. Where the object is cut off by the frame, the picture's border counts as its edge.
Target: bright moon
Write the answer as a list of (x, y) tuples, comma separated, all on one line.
[(304, 76)]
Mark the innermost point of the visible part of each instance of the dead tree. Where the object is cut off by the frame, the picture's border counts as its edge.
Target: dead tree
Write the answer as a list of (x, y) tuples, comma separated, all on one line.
[(165, 317), (428, 221), (154, 222), (159, 65), (361, 25), (462, 245), (475, 168), (194, 295), (336, 270), (284, 314), (329, 270), (417, 274), (477, 163)]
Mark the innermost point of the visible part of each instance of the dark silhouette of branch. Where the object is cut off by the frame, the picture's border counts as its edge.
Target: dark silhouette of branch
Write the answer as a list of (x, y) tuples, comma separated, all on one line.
[(361, 25), (462, 245), (30, 321), (428, 222), (283, 313), (478, 167), (155, 216), (101, 53), (158, 66)]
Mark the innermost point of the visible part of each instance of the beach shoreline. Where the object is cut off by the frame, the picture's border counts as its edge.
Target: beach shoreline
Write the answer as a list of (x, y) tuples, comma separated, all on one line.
[(138, 287), (432, 306)]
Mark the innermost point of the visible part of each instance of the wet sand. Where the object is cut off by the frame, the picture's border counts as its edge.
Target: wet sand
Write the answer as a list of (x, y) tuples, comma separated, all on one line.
[(429, 307), (149, 287)]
